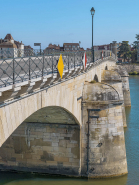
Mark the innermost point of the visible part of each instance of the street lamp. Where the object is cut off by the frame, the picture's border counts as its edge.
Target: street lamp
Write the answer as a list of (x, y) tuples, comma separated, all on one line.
[(92, 13)]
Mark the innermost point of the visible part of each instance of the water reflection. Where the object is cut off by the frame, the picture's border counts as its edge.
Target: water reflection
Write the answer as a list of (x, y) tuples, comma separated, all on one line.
[(69, 181)]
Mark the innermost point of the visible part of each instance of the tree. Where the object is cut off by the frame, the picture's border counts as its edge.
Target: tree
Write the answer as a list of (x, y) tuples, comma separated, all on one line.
[(134, 55), (135, 43), (134, 52), (124, 51)]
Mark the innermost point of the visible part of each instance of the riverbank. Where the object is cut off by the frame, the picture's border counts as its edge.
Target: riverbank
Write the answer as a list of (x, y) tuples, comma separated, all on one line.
[(133, 73), (131, 68)]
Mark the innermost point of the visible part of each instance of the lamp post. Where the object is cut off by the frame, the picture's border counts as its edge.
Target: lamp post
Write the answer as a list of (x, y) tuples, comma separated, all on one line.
[(92, 13)]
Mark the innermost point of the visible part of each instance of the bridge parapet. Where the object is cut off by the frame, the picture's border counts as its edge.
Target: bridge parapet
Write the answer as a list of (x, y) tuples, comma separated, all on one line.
[(25, 75), (17, 70)]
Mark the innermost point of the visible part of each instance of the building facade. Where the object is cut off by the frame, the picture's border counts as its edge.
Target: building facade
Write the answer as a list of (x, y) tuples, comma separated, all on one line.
[(52, 48), (67, 47), (10, 48), (71, 47)]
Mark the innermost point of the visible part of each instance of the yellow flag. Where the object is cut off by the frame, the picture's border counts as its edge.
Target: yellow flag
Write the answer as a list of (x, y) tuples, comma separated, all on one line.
[(60, 66), (110, 53)]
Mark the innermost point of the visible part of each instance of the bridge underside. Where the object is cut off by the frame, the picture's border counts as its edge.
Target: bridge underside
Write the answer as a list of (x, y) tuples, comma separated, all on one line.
[(47, 142)]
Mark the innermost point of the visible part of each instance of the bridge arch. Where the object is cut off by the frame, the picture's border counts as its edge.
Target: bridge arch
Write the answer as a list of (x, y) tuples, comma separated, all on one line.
[(96, 78), (49, 138), (53, 115), (106, 67)]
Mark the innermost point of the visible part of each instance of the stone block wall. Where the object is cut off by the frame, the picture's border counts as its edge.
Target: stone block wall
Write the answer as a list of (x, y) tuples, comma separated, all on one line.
[(126, 91), (107, 154), (103, 114), (45, 148)]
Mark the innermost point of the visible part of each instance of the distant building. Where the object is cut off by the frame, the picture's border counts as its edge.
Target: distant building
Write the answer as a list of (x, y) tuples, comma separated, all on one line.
[(28, 51), (102, 47), (88, 49), (11, 48), (71, 46), (66, 47), (81, 49), (52, 48), (28, 47)]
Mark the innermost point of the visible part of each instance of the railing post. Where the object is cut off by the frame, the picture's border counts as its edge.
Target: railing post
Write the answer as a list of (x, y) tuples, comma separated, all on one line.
[(13, 72), (42, 64), (52, 65), (56, 65), (68, 63), (29, 69), (74, 61)]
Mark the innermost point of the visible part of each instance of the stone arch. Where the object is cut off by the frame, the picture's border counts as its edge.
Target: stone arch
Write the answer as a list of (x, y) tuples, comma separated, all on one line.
[(106, 67), (100, 92), (52, 114), (48, 141), (96, 78)]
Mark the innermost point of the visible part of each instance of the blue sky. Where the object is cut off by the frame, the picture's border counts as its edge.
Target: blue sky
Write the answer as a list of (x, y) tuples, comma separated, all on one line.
[(59, 21)]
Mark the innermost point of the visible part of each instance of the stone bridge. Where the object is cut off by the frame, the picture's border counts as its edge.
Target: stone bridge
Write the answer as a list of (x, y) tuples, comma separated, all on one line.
[(72, 126)]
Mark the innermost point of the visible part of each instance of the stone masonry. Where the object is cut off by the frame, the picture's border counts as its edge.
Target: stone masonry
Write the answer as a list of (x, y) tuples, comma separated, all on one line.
[(44, 148), (106, 154)]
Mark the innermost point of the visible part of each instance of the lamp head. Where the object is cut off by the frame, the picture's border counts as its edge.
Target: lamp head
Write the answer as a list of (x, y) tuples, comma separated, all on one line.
[(92, 11)]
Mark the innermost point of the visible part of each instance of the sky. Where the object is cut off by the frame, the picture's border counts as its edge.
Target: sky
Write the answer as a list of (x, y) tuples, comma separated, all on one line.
[(61, 21)]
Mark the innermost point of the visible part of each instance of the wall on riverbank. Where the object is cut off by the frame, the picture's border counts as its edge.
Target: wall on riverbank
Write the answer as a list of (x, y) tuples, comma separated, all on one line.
[(131, 68), (44, 148)]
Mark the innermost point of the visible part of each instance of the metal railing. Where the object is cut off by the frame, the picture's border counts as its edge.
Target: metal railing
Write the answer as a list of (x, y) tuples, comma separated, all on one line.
[(19, 69)]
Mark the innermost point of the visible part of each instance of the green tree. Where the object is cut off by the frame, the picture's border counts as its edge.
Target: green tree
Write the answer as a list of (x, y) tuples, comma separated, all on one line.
[(124, 51), (135, 43), (134, 55)]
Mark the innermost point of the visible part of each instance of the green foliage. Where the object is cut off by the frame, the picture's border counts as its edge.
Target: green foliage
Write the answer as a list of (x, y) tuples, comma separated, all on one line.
[(134, 55), (93, 81), (135, 43), (124, 51), (134, 73), (137, 37), (134, 52)]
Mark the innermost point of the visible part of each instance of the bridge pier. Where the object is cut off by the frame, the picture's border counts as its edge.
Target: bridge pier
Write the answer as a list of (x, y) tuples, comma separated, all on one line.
[(125, 84), (115, 80), (103, 143)]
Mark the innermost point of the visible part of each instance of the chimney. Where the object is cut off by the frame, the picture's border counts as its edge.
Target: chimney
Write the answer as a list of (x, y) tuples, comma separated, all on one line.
[(1, 40), (21, 42)]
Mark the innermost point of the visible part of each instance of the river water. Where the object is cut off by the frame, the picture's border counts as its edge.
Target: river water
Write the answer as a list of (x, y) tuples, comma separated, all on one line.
[(132, 150)]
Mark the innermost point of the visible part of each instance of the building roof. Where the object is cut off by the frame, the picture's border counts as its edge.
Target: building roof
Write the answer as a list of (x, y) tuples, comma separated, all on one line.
[(82, 49), (7, 45), (18, 43), (74, 44), (51, 46), (9, 37), (28, 47), (88, 48)]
